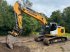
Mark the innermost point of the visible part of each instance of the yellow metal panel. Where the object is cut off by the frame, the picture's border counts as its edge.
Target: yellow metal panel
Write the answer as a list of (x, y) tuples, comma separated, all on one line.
[(61, 31)]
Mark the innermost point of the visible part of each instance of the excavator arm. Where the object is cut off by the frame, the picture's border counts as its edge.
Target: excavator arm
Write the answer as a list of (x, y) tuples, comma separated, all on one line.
[(18, 11), (28, 11), (19, 14)]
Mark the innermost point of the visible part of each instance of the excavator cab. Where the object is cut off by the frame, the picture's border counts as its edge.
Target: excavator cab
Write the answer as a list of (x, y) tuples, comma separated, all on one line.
[(53, 26), (52, 29), (56, 30), (48, 28)]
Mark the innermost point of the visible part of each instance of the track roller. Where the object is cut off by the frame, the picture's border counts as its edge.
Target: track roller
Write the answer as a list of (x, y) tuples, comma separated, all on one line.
[(38, 39), (46, 41), (63, 39)]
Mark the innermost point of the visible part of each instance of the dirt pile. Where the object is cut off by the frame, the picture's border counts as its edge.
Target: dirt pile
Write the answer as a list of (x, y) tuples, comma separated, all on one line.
[(4, 48)]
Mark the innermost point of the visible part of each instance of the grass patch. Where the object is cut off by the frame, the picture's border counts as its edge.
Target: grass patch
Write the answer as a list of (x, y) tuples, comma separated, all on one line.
[(67, 35)]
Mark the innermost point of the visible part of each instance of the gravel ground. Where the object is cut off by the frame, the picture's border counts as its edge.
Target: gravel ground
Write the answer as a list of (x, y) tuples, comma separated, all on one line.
[(38, 46)]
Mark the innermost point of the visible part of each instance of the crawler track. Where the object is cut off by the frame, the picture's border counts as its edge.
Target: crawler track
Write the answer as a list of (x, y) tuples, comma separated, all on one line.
[(51, 39)]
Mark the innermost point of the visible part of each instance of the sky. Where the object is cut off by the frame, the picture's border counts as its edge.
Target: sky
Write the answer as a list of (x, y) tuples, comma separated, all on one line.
[(46, 6)]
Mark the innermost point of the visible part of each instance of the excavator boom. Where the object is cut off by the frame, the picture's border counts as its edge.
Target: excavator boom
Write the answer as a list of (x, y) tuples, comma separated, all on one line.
[(36, 15), (28, 11)]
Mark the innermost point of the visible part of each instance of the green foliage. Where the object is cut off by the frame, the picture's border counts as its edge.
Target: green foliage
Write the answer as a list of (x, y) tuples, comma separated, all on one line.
[(66, 18), (7, 19), (30, 24), (56, 17)]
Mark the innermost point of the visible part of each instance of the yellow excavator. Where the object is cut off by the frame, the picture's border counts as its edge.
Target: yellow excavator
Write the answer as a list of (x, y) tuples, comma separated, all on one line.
[(50, 33)]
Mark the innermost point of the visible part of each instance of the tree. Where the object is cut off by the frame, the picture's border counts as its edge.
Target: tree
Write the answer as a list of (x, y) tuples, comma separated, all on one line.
[(66, 18), (30, 24), (7, 20), (56, 17)]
